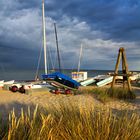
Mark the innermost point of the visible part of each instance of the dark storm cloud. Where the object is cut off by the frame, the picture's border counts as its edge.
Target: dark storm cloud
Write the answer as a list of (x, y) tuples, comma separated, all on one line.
[(119, 18), (102, 23), (9, 5), (19, 35), (15, 57), (29, 4)]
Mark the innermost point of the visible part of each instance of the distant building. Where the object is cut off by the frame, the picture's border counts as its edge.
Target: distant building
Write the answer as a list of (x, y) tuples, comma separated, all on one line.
[(79, 76)]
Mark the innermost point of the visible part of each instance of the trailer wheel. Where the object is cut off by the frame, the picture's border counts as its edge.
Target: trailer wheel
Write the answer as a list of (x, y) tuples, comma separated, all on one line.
[(67, 91), (14, 88), (56, 91), (22, 89)]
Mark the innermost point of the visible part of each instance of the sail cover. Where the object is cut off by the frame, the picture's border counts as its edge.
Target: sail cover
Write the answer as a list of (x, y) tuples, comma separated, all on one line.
[(61, 78)]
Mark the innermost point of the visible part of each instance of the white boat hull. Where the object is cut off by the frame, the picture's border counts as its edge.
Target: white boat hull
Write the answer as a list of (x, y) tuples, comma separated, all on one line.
[(88, 82), (105, 81), (1, 83), (9, 82)]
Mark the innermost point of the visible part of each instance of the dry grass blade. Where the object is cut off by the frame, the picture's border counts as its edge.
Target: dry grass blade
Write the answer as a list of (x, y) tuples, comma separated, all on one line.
[(72, 121)]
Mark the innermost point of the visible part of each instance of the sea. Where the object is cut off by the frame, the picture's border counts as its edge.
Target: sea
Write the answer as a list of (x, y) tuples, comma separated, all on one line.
[(25, 75)]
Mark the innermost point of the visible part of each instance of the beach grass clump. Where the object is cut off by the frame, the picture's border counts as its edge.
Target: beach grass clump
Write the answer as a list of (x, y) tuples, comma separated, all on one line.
[(71, 122), (121, 93), (105, 94), (99, 93)]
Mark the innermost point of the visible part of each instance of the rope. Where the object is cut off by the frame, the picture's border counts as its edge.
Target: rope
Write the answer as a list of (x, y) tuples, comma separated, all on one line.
[(62, 64), (74, 65), (55, 59), (38, 64), (50, 56)]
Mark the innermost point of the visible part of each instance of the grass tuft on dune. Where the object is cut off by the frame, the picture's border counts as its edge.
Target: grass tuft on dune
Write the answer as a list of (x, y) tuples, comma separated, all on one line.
[(106, 94), (70, 121)]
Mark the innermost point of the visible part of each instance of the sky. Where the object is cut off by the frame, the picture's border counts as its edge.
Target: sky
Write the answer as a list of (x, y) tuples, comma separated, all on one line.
[(101, 26)]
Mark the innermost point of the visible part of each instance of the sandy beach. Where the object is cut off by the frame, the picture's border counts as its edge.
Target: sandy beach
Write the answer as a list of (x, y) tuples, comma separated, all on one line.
[(10, 100)]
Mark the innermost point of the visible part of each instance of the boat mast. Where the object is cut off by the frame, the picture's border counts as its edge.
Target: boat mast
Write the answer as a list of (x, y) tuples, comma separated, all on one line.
[(44, 37), (80, 57), (58, 54)]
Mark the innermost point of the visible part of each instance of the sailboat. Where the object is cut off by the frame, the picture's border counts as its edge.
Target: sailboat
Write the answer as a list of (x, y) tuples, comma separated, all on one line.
[(57, 79), (79, 75), (22, 87), (43, 84)]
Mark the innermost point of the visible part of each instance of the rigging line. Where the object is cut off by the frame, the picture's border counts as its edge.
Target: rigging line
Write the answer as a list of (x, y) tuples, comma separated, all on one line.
[(58, 53), (50, 56), (62, 64), (73, 65), (79, 63), (55, 59), (38, 64)]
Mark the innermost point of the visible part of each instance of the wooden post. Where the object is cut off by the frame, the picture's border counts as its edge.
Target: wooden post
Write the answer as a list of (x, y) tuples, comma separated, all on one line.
[(116, 69), (125, 72)]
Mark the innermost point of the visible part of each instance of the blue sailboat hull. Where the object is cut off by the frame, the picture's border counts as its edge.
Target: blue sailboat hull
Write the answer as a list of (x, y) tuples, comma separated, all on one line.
[(64, 80)]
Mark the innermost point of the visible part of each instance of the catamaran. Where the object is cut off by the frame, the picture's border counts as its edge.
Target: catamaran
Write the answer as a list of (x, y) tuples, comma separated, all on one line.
[(23, 86), (58, 79)]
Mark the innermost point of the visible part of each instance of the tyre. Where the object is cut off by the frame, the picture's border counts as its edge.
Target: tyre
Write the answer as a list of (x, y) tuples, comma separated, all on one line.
[(57, 91), (67, 91), (14, 88), (22, 89)]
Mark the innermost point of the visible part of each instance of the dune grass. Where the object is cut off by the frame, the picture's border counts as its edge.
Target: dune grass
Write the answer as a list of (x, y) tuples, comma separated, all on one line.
[(121, 93), (106, 94), (70, 121)]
